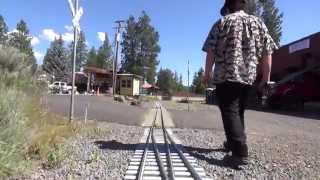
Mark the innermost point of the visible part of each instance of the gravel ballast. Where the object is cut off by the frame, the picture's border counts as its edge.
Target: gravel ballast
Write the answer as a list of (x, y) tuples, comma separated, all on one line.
[(105, 155), (271, 157)]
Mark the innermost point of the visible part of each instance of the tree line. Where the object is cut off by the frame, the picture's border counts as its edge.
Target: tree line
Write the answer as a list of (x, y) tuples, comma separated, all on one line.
[(140, 49), (19, 39), (58, 59)]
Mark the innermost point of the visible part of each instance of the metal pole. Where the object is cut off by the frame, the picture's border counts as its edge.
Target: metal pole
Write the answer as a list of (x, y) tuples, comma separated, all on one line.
[(74, 65), (188, 87), (115, 63)]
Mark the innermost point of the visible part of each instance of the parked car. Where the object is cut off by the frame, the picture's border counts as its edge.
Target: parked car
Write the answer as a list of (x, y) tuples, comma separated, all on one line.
[(60, 88), (296, 92)]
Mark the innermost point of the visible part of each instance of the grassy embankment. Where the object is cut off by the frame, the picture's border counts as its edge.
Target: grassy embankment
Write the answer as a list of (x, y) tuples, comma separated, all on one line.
[(29, 136)]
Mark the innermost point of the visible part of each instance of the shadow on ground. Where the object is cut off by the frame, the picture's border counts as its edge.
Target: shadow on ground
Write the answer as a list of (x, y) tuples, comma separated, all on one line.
[(198, 153)]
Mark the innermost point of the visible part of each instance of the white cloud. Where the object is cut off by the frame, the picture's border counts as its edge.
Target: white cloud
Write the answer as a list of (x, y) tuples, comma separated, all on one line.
[(68, 28), (14, 30), (67, 37), (101, 36), (34, 41), (39, 56), (49, 34)]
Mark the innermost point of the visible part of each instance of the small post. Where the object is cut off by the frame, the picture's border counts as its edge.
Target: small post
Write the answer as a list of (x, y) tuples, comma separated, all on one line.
[(86, 113)]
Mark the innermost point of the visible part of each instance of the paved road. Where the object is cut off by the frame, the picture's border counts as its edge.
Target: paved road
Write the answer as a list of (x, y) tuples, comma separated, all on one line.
[(200, 117), (208, 117), (101, 108)]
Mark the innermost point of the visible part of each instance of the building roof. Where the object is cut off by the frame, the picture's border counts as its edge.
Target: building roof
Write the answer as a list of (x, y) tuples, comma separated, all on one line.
[(96, 70), (304, 38), (131, 75)]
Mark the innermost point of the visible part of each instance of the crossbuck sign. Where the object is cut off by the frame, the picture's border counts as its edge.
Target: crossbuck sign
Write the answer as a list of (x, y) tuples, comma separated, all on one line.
[(76, 14)]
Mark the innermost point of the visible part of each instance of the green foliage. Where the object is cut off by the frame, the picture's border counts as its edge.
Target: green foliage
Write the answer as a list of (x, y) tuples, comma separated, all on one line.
[(26, 131), (270, 14), (140, 47), (21, 39), (197, 85), (15, 69), (273, 19), (166, 80), (82, 52), (180, 86), (92, 58), (3, 31), (103, 58), (55, 60), (105, 55), (56, 156), (15, 76), (169, 81)]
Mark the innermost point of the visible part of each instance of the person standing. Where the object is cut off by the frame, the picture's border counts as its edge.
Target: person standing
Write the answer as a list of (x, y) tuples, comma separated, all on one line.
[(237, 45)]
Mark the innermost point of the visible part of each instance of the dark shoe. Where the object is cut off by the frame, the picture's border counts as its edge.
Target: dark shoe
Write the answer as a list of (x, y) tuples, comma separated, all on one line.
[(236, 162), (240, 160), (226, 146)]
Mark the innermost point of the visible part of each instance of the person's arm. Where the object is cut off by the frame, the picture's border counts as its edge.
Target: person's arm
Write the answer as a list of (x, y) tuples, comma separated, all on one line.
[(266, 65), (208, 68)]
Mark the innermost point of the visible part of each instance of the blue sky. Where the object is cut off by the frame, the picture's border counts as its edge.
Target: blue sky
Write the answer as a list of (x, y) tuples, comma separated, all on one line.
[(183, 24)]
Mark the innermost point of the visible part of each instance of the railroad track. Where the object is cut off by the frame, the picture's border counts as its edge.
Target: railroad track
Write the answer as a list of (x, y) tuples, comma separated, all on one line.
[(160, 157)]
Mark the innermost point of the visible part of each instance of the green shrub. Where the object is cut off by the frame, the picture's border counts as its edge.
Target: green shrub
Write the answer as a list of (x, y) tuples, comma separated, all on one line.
[(14, 76), (27, 132)]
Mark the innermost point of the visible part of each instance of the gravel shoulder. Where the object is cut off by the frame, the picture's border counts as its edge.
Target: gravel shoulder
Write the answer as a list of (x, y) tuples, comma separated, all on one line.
[(271, 157), (281, 145), (102, 153)]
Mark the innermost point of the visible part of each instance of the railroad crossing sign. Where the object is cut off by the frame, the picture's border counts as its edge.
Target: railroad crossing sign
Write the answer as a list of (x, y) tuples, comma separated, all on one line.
[(77, 13)]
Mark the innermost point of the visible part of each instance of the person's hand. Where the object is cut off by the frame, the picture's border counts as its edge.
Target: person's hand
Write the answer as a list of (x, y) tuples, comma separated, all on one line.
[(206, 79), (262, 85)]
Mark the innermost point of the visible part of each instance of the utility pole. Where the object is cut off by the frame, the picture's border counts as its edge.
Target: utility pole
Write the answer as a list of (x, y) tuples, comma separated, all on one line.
[(76, 16), (188, 87), (115, 62)]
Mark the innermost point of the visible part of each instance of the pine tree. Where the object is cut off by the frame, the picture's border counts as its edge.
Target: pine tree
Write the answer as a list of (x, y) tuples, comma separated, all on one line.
[(140, 47), (105, 55), (197, 85), (55, 60), (165, 80), (254, 7), (180, 84), (82, 52), (3, 31), (270, 14), (176, 80), (273, 19), (22, 41), (92, 58)]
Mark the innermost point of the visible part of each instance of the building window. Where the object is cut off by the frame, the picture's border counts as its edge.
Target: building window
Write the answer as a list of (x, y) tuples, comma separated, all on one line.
[(123, 83), (128, 83)]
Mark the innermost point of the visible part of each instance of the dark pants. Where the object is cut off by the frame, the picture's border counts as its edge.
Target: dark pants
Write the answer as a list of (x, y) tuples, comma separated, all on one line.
[(232, 98)]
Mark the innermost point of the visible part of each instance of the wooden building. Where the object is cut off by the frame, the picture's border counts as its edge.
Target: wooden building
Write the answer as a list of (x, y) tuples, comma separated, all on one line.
[(98, 79), (129, 84), (296, 56)]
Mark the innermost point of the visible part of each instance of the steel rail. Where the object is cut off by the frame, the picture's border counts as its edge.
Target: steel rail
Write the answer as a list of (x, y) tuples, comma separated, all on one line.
[(146, 149), (193, 172), (158, 158), (168, 154)]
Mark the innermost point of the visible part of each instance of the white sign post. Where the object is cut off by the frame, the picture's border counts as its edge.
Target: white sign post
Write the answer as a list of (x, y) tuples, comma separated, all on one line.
[(76, 13)]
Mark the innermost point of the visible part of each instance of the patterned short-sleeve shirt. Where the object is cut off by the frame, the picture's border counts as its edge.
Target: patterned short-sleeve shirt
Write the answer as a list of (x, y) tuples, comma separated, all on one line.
[(238, 42)]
